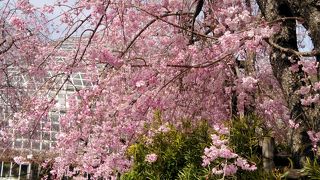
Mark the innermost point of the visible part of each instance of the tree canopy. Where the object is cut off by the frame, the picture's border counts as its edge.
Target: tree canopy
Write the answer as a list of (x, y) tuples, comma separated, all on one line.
[(207, 60)]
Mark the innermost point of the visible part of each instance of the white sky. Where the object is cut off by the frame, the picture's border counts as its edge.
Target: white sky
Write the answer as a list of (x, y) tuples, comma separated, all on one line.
[(56, 23)]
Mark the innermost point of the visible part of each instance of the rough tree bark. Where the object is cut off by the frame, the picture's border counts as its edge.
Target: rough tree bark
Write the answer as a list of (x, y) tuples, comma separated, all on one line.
[(308, 10)]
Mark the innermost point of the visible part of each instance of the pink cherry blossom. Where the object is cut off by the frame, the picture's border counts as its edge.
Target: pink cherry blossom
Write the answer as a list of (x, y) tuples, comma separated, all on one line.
[(243, 164), (293, 125), (19, 159), (140, 83), (230, 169), (217, 171), (115, 63), (151, 158), (164, 128), (315, 138), (17, 22)]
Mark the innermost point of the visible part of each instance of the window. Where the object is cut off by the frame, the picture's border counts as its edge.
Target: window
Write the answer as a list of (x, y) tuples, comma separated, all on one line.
[(6, 169), (15, 170), (24, 171)]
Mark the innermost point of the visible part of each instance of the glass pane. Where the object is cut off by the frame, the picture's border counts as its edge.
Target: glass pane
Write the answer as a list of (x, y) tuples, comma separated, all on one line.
[(55, 127), (17, 144), (24, 171), (54, 117), (77, 82), (15, 170), (61, 98), (70, 87), (36, 135), (53, 136), (6, 169), (34, 171), (35, 145), (26, 144), (45, 146), (77, 76), (18, 135), (46, 136)]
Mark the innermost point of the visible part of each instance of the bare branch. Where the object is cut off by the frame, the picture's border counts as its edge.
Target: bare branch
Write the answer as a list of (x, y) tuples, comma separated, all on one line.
[(292, 51), (145, 27), (203, 65)]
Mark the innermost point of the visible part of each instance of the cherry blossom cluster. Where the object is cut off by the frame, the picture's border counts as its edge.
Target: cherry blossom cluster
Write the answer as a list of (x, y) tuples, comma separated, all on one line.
[(151, 158), (138, 56), (310, 91), (222, 159), (246, 87), (315, 138)]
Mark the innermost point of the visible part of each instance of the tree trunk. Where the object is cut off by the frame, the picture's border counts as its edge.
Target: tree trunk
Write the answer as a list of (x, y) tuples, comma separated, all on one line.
[(308, 10), (290, 82)]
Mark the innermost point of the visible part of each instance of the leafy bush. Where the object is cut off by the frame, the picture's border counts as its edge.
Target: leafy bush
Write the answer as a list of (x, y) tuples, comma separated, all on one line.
[(245, 133), (311, 169), (171, 153), (244, 136)]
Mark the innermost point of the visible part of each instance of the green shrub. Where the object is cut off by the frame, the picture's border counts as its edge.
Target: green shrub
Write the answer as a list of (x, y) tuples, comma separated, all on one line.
[(311, 169), (179, 153), (245, 140)]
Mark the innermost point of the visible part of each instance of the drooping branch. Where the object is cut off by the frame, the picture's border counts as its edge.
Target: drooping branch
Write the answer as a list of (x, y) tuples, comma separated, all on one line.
[(292, 51), (178, 26), (146, 27), (202, 65)]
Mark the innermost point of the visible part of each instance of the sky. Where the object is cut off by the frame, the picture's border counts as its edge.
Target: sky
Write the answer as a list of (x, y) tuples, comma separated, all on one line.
[(57, 29), (306, 43)]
